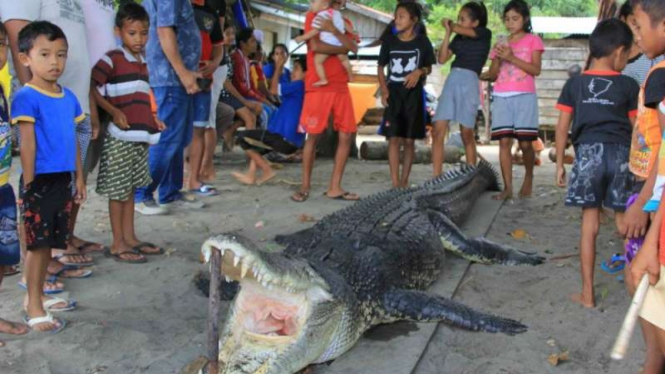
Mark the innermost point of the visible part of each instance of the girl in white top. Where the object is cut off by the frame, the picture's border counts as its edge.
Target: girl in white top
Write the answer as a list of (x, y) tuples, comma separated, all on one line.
[(323, 10)]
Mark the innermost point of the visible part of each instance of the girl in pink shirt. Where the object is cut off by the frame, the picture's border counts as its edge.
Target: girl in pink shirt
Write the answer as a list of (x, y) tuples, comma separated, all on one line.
[(516, 61)]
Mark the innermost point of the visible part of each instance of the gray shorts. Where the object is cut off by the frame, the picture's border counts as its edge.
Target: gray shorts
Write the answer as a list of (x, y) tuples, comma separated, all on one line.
[(460, 98), (600, 177), (515, 117)]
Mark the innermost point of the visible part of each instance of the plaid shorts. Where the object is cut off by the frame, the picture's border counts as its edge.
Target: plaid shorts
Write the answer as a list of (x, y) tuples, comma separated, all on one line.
[(46, 208)]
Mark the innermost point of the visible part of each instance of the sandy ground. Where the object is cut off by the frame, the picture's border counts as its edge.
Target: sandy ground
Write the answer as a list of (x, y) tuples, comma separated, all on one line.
[(150, 319)]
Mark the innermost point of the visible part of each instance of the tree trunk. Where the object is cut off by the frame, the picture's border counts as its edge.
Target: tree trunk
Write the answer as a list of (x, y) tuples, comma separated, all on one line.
[(379, 151)]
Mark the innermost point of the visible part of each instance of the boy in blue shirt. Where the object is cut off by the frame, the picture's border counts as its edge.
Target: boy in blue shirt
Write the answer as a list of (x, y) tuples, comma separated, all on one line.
[(9, 244), (47, 115)]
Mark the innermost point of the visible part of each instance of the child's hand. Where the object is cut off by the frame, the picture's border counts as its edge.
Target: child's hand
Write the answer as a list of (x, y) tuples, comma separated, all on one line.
[(81, 193), (280, 60), (120, 119), (208, 68), (299, 39), (561, 179), (160, 125), (384, 99), (646, 262), (94, 123), (413, 78), (326, 24), (635, 222), (255, 107), (504, 52), (447, 24)]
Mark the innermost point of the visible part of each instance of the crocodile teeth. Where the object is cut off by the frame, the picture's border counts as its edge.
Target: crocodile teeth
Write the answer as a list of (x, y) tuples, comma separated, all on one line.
[(221, 251), (236, 261), (228, 280), (264, 284), (243, 270)]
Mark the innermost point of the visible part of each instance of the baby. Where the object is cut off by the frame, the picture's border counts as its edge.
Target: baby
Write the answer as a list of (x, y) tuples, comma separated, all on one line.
[(323, 10)]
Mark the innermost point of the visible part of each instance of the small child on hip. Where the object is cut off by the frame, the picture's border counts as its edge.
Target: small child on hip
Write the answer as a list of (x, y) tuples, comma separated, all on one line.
[(603, 104), (324, 10), (409, 57), (516, 61)]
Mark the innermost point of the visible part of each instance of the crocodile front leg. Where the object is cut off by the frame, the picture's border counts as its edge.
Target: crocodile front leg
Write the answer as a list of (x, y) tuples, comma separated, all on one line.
[(478, 250)]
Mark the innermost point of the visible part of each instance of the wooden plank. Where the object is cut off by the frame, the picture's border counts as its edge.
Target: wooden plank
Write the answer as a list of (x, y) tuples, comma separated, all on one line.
[(550, 84), (565, 54)]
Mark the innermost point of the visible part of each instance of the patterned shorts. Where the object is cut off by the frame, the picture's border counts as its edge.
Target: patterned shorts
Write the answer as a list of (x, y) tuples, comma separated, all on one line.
[(600, 177), (123, 167), (47, 204), (10, 251)]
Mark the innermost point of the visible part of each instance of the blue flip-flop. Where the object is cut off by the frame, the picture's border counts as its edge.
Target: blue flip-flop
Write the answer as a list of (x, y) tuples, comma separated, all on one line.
[(614, 265), (52, 279)]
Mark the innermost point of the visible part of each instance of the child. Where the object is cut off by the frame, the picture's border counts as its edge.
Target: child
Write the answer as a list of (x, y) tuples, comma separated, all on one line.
[(49, 157), (409, 57), (515, 63), (124, 160), (323, 9), (639, 63), (604, 104), (649, 18), (9, 245), (281, 135), (460, 97), (204, 136)]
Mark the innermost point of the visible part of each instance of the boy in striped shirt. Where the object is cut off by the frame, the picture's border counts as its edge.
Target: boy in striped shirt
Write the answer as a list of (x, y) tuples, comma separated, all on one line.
[(120, 86)]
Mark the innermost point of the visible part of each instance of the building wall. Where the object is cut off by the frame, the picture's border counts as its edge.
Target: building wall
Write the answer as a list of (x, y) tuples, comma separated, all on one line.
[(559, 56)]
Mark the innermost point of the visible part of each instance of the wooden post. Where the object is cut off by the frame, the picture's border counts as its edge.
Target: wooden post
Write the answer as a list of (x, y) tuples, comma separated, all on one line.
[(213, 312)]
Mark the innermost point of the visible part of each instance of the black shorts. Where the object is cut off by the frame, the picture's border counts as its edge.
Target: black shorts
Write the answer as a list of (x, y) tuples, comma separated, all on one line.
[(263, 141), (46, 208), (405, 115), (600, 177)]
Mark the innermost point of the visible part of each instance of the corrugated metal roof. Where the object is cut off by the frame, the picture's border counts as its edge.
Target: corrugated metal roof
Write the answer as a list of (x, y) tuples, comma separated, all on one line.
[(564, 25)]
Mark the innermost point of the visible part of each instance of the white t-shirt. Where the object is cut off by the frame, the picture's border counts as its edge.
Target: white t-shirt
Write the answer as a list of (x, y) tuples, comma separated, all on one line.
[(338, 21), (100, 17), (68, 15)]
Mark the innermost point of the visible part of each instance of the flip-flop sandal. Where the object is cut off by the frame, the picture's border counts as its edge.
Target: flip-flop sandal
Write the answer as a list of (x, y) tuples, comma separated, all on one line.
[(50, 279), (83, 274), (300, 196), (84, 248), (118, 257), (141, 245), (204, 191), (72, 265), (50, 305), (48, 318), (343, 197), (614, 265), (12, 270)]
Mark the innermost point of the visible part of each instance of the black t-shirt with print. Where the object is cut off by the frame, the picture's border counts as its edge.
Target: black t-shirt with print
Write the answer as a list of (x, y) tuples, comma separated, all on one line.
[(472, 53), (654, 88), (403, 57), (602, 104)]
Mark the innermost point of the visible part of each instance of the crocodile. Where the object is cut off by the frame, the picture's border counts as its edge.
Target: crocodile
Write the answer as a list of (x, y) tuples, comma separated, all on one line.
[(312, 301)]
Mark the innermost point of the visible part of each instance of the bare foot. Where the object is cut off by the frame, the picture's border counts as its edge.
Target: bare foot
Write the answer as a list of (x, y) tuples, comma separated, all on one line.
[(586, 302), (320, 83), (244, 178), (527, 187), (266, 177), (13, 328), (504, 195)]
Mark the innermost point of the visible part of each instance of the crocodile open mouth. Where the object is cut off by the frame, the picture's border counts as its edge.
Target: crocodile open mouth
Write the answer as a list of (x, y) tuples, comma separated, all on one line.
[(274, 297), (269, 315)]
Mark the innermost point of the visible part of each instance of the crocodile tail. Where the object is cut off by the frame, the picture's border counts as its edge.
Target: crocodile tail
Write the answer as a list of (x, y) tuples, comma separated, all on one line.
[(487, 170), (421, 306)]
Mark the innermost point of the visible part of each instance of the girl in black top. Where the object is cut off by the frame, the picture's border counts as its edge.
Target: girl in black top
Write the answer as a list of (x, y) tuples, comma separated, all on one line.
[(409, 56), (460, 97)]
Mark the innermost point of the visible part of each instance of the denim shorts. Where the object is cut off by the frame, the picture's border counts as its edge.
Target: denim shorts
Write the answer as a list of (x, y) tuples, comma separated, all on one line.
[(10, 249), (202, 110), (600, 177)]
